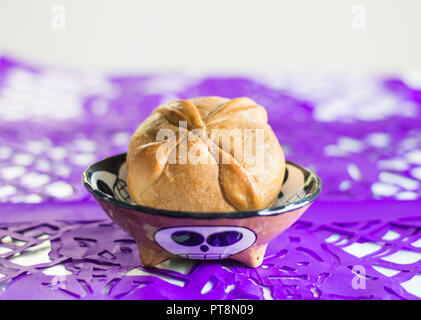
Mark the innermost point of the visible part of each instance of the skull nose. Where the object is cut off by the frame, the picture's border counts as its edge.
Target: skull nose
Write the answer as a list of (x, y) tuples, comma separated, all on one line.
[(204, 248)]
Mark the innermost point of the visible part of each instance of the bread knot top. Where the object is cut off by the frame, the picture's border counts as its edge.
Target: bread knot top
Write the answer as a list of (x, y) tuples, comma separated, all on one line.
[(229, 134), (202, 112)]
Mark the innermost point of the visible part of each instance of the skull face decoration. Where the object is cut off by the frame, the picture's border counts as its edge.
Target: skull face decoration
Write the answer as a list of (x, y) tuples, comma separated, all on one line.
[(205, 242)]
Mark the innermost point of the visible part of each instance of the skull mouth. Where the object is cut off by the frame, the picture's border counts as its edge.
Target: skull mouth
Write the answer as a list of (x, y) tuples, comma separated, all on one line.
[(209, 256)]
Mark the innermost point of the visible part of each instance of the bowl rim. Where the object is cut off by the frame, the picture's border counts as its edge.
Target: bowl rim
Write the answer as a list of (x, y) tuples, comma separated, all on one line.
[(271, 211)]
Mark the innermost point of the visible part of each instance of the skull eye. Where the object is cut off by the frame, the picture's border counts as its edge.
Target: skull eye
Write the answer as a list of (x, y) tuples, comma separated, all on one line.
[(223, 239), (187, 238), (102, 186)]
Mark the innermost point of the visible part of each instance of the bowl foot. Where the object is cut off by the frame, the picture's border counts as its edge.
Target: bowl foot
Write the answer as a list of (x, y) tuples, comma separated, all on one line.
[(252, 257), (152, 257)]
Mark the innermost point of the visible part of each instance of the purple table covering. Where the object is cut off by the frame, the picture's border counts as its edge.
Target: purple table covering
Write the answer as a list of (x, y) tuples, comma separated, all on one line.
[(360, 240)]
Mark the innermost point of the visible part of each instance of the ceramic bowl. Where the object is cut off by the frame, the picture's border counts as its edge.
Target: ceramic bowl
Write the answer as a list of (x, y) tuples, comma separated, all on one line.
[(162, 234)]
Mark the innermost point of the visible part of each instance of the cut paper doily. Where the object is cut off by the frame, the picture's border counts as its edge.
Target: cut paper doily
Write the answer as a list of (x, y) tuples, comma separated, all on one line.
[(93, 259)]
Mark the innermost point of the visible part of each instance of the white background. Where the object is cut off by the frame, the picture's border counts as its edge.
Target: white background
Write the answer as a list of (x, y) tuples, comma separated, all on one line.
[(216, 35)]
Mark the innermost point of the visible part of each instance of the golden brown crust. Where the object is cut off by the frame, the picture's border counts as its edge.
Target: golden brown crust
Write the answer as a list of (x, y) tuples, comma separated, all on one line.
[(226, 180)]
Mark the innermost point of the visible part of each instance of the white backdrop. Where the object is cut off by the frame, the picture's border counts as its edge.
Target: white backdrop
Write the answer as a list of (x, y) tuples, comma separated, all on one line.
[(219, 35)]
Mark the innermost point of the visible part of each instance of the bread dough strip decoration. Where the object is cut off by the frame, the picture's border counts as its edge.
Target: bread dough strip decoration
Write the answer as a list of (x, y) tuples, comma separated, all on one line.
[(240, 187)]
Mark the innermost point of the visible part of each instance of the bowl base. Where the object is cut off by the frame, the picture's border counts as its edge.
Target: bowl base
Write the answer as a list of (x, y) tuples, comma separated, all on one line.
[(251, 257)]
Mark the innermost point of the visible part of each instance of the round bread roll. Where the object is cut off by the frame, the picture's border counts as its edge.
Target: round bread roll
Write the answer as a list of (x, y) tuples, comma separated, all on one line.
[(208, 154)]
